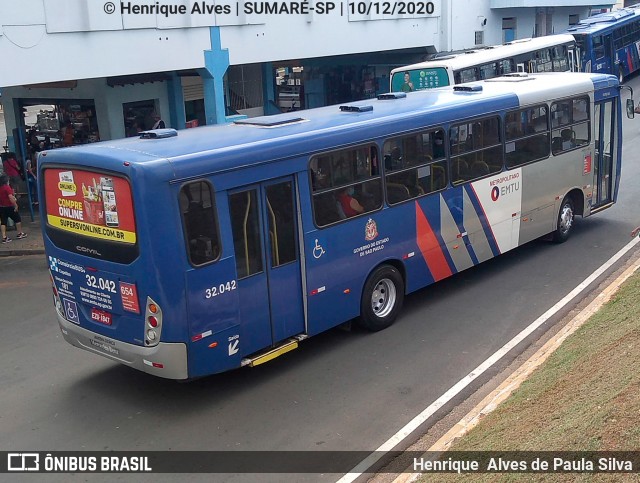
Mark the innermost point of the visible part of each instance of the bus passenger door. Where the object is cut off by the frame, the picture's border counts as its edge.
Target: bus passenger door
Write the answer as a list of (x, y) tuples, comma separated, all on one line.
[(605, 145), (573, 60), (265, 236)]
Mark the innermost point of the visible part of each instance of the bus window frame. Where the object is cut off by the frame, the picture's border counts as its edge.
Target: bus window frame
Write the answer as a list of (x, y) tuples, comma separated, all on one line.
[(216, 214), (598, 49), (570, 125), (336, 189), (431, 130), (527, 136), (473, 151)]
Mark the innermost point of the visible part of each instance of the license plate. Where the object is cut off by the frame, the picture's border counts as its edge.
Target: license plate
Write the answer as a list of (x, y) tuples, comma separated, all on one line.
[(101, 316)]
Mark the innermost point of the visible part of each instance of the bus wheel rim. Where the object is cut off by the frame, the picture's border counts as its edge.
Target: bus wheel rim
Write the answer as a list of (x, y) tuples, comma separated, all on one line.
[(383, 298), (566, 219)]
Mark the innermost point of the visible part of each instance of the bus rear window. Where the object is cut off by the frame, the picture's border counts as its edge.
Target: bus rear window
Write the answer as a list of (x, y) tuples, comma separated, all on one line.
[(419, 79), (90, 213)]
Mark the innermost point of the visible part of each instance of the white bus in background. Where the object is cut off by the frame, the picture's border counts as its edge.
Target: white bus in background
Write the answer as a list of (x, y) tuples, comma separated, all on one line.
[(552, 53)]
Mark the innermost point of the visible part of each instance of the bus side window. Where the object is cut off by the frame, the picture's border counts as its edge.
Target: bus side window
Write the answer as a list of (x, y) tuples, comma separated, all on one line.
[(419, 173), (245, 225), (197, 205), (527, 136), (571, 124), (598, 46), (352, 173), (481, 152)]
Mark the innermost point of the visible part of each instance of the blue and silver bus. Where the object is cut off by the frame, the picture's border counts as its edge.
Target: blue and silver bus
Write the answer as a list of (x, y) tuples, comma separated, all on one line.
[(609, 42), (188, 253)]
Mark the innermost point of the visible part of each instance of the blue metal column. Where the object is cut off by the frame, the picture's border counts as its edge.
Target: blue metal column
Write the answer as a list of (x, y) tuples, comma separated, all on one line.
[(216, 62), (269, 89), (177, 116)]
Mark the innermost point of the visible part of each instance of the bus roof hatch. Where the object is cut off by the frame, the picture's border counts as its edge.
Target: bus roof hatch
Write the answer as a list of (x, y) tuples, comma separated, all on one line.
[(352, 108), (158, 133)]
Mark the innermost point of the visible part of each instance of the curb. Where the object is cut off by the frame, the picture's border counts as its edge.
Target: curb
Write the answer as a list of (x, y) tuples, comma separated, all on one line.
[(502, 392)]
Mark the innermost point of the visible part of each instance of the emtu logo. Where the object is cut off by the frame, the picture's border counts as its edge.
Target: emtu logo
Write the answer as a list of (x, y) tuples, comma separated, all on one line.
[(495, 193), (23, 462)]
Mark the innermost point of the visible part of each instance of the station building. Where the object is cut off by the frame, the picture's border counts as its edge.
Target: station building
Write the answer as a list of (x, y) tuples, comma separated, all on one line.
[(110, 69)]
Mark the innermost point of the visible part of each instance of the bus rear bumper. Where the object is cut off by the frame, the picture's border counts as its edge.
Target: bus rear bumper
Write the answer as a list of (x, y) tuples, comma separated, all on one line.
[(167, 359)]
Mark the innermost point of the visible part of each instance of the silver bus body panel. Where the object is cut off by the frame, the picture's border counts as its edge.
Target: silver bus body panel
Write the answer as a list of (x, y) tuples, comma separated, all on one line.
[(172, 356)]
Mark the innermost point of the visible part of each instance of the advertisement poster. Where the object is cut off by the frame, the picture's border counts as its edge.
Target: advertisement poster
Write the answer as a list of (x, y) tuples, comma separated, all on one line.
[(419, 79), (90, 204)]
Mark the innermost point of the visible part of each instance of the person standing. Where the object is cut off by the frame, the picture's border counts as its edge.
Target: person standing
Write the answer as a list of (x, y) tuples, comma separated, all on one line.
[(159, 123), (9, 209), (68, 134), (12, 170), (32, 179)]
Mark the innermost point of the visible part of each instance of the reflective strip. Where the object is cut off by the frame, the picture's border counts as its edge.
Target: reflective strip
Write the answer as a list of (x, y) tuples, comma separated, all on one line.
[(198, 337)]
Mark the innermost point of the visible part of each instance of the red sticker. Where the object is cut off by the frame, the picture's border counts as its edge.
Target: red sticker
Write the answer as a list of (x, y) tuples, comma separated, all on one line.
[(129, 297), (586, 168), (101, 316)]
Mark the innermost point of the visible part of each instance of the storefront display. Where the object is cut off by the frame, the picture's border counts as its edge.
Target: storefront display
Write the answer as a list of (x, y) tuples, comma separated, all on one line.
[(60, 123)]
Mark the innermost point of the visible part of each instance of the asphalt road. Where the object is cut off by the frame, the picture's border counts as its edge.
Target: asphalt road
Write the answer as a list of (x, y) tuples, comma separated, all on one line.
[(338, 391)]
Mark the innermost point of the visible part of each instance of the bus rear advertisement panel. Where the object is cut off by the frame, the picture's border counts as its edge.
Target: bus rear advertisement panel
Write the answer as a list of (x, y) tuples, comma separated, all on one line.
[(90, 204)]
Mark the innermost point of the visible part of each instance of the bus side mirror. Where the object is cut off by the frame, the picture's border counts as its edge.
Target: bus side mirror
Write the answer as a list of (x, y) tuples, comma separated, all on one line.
[(630, 109)]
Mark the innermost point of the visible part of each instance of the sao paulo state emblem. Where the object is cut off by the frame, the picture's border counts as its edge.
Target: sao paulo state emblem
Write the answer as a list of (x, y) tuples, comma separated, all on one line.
[(370, 230)]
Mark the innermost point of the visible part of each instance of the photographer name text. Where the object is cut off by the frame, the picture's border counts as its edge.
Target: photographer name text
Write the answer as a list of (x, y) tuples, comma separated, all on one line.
[(276, 7)]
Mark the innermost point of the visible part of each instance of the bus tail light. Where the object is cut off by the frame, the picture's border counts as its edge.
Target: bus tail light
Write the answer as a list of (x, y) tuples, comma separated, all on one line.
[(153, 323)]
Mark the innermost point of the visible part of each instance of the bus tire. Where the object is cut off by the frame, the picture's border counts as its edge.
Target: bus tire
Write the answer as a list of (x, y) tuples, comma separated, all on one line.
[(566, 216), (382, 298)]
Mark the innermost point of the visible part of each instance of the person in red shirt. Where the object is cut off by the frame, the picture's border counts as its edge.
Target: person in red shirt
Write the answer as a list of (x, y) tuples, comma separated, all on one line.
[(12, 170), (9, 209), (350, 206)]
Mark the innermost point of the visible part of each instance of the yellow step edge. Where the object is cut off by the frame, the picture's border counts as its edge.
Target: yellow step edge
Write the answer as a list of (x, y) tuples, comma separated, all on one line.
[(273, 353)]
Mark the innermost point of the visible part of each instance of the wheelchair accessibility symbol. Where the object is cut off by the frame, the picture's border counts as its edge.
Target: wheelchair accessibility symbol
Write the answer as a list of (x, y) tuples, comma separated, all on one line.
[(318, 251), (71, 311)]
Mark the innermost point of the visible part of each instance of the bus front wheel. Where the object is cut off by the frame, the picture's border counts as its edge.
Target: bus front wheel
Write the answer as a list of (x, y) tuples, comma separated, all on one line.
[(382, 298), (565, 221)]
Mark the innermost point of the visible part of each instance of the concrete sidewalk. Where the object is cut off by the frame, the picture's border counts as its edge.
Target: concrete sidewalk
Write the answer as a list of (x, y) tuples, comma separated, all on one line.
[(33, 244)]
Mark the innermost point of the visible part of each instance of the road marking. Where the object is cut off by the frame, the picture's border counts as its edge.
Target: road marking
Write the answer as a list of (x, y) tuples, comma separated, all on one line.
[(412, 425)]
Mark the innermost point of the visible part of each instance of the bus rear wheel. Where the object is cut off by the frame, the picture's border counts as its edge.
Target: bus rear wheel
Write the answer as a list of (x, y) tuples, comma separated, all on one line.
[(382, 298), (565, 221)]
